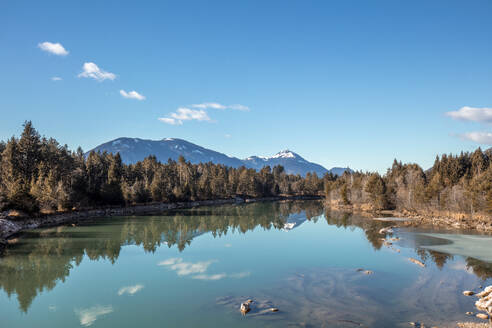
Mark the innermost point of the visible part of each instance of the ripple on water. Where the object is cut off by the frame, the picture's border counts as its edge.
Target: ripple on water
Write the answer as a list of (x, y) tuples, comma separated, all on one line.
[(341, 297)]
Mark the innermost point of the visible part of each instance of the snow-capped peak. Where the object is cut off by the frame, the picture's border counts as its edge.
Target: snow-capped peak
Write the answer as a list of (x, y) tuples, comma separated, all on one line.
[(284, 154)]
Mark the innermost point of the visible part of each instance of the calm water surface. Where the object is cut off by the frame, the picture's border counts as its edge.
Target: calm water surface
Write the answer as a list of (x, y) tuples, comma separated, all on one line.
[(192, 268)]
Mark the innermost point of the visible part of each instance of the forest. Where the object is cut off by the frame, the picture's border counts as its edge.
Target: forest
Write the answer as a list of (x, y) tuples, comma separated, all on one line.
[(460, 184), (37, 174)]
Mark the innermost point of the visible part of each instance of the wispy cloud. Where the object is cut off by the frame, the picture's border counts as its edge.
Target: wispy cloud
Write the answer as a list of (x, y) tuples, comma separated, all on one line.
[(214, 105), (484, 138), (53, 48), (466, 113), (56, 78), (130, 290), (88, 316), (185, 114), (132, 95), (170, 121), (91, 70)]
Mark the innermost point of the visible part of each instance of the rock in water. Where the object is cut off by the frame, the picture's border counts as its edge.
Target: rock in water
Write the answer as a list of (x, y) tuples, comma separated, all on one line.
[(482, 316), (386, 230), (468, 293), (484, 303), (486, 292), (245, 308), (417, 262)]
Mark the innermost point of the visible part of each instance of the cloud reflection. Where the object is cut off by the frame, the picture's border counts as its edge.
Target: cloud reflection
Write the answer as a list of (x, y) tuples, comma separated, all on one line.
[(88, 316), (130, 290), (186, 268), (199, 269)]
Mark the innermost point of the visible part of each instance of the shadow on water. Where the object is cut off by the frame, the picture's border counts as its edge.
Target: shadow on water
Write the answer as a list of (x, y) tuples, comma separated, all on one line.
[(40, 259)]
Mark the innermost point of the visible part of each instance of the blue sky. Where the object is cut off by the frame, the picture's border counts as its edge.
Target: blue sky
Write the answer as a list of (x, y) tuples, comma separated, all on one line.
[(343, 83)]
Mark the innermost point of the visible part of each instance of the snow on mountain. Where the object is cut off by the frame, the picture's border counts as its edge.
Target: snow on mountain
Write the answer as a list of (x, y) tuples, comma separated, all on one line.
[(133, 150), (292, 162), (284, 154)]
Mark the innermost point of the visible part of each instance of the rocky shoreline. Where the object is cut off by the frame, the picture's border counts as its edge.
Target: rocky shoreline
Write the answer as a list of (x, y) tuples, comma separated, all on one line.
[(443, 219), (12, 225)]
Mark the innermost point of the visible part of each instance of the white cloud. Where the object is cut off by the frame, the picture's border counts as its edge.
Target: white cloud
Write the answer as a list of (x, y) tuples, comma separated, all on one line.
[(56, 78), (185, 114), (54, 48), (132, 95), (467, 113), (171, 121), (130, 289), (88, 316), (479, 137), (186, 268), (213, 105), (91, 70), (209, 105)]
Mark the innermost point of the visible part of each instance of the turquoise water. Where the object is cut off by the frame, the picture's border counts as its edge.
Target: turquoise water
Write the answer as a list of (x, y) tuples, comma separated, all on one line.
[(193, 268)]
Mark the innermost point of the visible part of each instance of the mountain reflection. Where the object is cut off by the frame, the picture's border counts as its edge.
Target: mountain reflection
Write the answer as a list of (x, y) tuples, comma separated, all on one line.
[(40, 259)]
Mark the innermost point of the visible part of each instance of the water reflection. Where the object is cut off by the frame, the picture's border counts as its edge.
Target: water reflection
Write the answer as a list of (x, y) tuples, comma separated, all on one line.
[(41, 259)]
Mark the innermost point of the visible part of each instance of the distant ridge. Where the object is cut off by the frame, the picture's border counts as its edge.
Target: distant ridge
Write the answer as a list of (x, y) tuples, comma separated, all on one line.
[(133, 150)]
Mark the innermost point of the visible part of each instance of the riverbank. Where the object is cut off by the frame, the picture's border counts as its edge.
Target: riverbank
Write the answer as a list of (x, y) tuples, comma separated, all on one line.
[(435, 218), (11, 225)]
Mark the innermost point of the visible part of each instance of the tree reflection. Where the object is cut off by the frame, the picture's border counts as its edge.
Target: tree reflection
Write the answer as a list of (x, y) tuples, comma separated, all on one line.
[(42, 258)]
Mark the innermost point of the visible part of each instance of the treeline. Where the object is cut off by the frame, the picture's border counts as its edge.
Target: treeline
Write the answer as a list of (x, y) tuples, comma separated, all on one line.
[(455, 183), (37, 173)]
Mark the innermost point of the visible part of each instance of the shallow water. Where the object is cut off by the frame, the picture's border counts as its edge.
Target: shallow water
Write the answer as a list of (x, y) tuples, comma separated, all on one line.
[(192, 268)]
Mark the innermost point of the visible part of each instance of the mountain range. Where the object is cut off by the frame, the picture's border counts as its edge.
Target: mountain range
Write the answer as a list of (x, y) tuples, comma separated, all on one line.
[(133, 150)]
